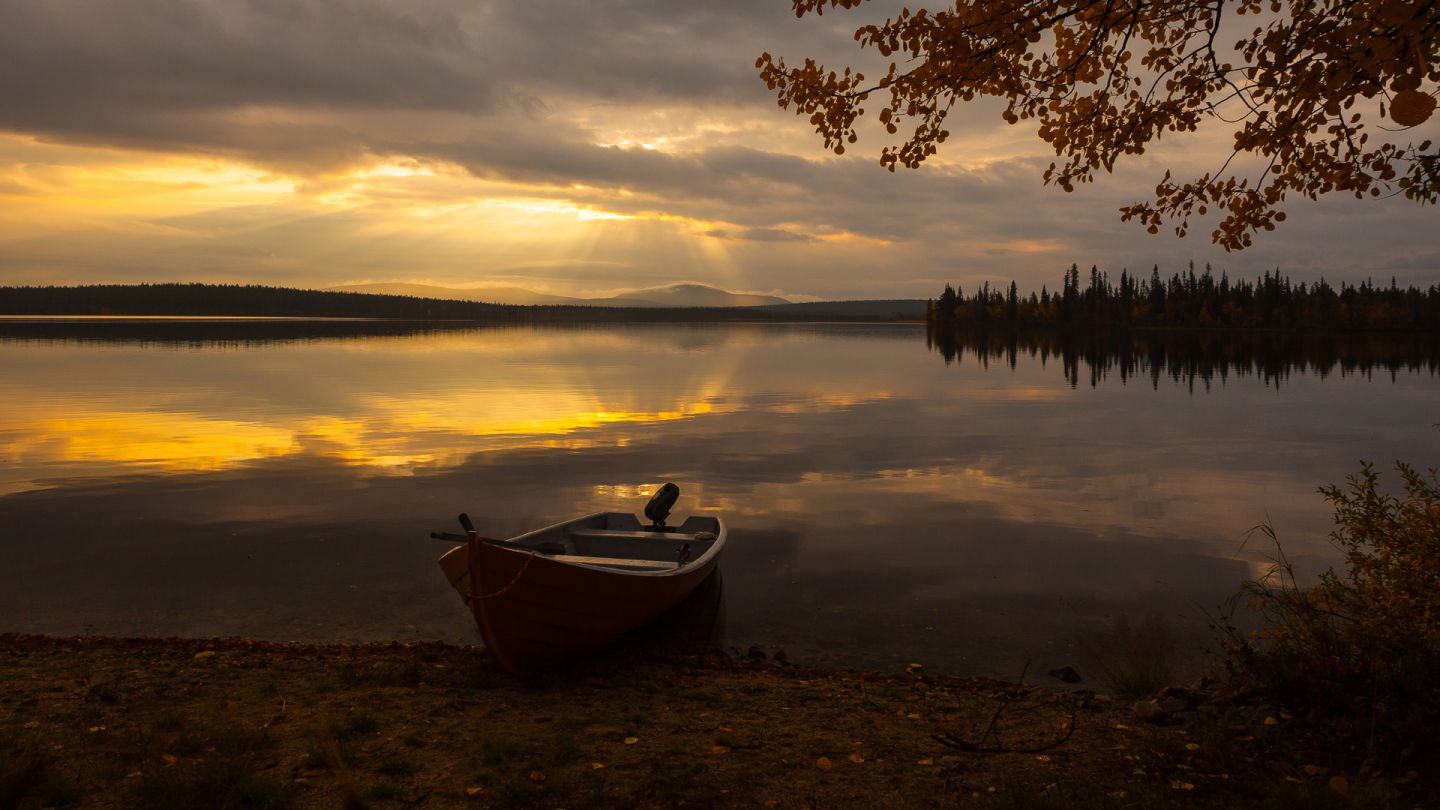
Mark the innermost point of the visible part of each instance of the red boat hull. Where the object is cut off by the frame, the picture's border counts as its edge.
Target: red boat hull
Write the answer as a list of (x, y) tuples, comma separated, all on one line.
[(533, 610)]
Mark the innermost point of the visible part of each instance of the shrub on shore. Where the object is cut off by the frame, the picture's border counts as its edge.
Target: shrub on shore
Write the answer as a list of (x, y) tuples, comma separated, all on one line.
[(1357, 655)]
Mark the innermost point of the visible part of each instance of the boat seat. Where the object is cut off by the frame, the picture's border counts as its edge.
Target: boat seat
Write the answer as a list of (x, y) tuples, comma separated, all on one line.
[(614, 562), (595, 534)]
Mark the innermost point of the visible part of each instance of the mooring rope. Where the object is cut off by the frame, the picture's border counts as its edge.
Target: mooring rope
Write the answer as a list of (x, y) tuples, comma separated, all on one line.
[(509, 584)]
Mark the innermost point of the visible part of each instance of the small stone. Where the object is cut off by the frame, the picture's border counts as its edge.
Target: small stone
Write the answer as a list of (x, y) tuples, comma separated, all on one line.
[(1172, 705), (1190, 697), (1066, 674), (1153, 712)]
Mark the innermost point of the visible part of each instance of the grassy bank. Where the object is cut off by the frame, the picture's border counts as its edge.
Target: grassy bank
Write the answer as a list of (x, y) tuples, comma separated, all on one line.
[(100, 722)]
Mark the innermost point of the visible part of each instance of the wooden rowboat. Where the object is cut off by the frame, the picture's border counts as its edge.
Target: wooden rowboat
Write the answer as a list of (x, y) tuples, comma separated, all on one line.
[(574, 587)]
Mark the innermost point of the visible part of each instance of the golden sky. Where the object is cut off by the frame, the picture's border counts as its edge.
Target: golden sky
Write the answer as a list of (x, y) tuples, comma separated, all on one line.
[(572, 148)]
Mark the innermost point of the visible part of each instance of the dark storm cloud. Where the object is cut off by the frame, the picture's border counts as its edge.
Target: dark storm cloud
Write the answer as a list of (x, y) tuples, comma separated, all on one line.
[(159, 74), (65, 59)]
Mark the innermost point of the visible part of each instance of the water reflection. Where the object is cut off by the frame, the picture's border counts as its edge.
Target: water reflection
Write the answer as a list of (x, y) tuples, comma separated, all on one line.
[(883, 508), (1191, 356)]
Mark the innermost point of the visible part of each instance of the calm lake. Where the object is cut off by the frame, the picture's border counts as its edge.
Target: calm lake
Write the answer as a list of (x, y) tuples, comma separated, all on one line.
[(886, 506)]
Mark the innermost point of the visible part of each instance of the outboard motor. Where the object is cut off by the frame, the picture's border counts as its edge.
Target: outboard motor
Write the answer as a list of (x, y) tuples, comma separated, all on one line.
[(659, 506)]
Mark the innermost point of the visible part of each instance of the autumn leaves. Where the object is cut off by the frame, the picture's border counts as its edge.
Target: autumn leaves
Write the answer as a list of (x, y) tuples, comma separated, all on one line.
[(1104, 79)]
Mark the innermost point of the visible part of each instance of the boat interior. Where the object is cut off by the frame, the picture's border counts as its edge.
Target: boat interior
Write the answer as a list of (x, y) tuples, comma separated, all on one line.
[(620, 540)]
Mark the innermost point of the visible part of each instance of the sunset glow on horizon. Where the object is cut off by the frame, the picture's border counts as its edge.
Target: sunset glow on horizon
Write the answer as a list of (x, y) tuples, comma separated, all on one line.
[(470, 144)]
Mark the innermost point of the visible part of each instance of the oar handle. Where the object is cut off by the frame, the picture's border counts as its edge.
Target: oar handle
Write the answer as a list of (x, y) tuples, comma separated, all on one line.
[(466, 524)]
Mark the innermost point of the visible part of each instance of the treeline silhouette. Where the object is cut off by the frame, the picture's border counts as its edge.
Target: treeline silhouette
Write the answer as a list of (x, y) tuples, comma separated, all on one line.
[(1195, 356), (223, 332), (1188, 300), (234, 300)]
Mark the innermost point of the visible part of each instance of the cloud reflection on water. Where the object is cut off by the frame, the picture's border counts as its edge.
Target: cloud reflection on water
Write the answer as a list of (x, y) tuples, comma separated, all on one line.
[(883, 505)]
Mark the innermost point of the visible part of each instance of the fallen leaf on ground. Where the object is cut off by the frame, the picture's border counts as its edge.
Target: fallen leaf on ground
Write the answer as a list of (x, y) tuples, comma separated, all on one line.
[(472, 791), (857, 758), (1179, 785), (926, 761), (1313, 770), (824, 763), (1340, 785), (631, 740), (719, 749), (537, 777), (170, 759), (201, 656), (597, 766), (1192, 746), (1271, 721)]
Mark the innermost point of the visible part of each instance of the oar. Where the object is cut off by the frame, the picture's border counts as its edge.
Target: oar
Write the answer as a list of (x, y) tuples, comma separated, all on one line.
[(451, 537)]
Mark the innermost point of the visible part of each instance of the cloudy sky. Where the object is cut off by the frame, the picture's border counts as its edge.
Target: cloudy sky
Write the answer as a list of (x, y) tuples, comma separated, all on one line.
[(574, 148)]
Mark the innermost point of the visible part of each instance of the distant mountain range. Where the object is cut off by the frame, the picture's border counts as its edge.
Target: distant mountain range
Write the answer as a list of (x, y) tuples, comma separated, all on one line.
[(669, 295)]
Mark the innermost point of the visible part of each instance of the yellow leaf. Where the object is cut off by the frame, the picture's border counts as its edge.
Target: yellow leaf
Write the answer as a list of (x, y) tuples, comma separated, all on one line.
[(472, 791), (856, 758), (1042, 757), (597, 766), (1177, 784), (537, 777), (719, 749), (824, 763), (202, 656), (631, 740), (1271, 721), (1192, 746), (926, 761)]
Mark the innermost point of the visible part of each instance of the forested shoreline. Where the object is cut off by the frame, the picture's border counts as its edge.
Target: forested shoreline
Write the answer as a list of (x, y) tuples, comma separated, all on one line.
[(1188, 300), (250, 300)]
